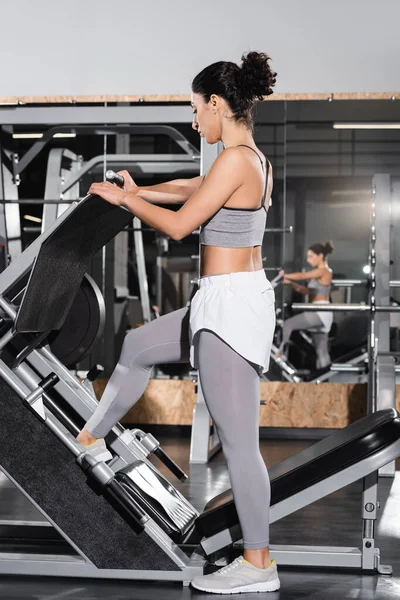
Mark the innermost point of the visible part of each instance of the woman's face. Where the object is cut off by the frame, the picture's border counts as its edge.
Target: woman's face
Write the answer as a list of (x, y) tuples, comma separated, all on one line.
[(314, 259), (206, 118)]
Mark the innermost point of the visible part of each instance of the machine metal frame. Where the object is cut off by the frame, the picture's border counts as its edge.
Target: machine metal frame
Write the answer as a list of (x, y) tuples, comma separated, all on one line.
[(367, 557)]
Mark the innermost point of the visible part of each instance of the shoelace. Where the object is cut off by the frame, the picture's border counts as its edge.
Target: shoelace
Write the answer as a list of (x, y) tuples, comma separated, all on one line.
[(236, 563)]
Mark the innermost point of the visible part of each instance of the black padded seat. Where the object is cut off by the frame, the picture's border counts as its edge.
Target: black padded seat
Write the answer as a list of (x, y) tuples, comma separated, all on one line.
[(63, 260), (331, 455)]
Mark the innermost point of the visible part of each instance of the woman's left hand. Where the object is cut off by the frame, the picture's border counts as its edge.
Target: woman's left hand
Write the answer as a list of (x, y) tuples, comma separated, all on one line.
[(109, 192)]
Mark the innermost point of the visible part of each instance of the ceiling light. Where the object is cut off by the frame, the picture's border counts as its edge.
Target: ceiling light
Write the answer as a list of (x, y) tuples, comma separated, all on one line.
[(27, 136), (382, 125), (32, 218), (64, 135), (38, 136)]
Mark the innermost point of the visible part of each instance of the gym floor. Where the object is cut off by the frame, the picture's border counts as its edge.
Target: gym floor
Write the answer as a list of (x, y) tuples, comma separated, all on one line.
[(335, 520)]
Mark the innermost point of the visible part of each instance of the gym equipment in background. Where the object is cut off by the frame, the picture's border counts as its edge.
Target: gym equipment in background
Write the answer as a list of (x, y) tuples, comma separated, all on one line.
[(149, 530)]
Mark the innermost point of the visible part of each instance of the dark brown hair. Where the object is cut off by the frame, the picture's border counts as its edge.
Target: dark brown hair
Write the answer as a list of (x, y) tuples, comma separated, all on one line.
[(241, 86), (324, 249)]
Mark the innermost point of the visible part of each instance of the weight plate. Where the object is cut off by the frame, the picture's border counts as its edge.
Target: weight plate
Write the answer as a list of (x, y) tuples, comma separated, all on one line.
[(83, 325)]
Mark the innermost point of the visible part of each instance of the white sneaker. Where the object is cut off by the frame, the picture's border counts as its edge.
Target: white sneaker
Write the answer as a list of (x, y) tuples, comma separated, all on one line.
[(99, 450), (240, 576)]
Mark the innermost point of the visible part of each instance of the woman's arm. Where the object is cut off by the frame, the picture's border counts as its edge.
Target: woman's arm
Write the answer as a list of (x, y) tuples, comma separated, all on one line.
[(224, 178), (313, 274), (302, 289), (177, 191)]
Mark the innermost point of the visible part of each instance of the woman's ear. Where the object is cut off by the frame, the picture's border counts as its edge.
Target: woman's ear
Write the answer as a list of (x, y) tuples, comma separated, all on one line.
[(214, 101)]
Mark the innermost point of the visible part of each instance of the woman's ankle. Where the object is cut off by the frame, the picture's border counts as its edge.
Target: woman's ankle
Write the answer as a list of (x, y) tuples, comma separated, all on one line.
[(85, 438), (258, 558)]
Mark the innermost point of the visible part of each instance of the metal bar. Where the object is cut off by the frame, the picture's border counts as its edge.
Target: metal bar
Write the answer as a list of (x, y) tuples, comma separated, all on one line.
[(348, 282), (37, 201), (279, 229), (353, 282), (3, 220), (95, 115), (371, 381), (369, 515), (7, 338), (310, 307), (317, 556), (128, 158), (141, 270), (380, 267), (203, 445), (284, 198), (45, 565), (10, 222), (344, 368), (61, 163)]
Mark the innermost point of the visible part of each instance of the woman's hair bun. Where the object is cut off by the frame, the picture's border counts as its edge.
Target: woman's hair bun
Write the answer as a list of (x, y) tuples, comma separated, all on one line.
[(329, 247), (256, 76), (319, 248)]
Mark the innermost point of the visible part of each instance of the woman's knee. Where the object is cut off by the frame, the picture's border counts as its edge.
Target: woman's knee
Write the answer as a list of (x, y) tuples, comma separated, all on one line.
[(286, 331), (133, 347)]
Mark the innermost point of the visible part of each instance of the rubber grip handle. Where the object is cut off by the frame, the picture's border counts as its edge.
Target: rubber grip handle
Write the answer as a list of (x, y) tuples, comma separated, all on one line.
[(113, 177), (94, 372)]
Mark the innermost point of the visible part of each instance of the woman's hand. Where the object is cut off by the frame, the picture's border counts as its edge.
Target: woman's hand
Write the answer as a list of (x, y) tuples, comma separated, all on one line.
[(129, 184), (282, 273), (109, 192), (287, 281)]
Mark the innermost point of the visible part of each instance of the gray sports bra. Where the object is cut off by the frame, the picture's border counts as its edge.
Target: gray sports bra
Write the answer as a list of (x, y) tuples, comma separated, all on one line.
[(237, 227), (318, 289)]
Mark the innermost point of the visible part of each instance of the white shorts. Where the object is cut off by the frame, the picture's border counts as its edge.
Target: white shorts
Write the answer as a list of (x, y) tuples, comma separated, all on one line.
[(240, 309), (326, 317)]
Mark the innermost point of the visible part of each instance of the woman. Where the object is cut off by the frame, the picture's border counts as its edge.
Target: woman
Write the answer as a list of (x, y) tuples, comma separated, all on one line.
[(227, 334), (319, 286)]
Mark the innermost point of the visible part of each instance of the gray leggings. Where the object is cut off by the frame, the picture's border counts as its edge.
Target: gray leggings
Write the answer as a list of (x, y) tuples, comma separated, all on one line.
[(231, 389), (308, 320)]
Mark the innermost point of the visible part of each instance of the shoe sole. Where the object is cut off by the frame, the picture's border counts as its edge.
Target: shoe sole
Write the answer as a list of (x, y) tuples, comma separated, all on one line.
[(267, 586)]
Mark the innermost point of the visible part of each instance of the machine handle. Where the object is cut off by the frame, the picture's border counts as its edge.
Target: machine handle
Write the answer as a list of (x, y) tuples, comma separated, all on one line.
[(94, 372), (170, 464), (49, 382), (113, 177)]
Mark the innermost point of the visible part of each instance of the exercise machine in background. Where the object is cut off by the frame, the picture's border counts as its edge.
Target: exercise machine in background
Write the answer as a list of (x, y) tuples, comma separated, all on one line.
[(149, 529)]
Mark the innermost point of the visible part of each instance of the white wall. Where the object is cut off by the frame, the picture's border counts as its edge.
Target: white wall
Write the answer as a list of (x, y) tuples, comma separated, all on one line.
[(79, 47)]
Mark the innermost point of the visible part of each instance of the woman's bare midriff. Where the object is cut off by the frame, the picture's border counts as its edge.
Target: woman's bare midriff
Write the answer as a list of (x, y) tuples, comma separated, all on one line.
[(219, 261), (320, 299)]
